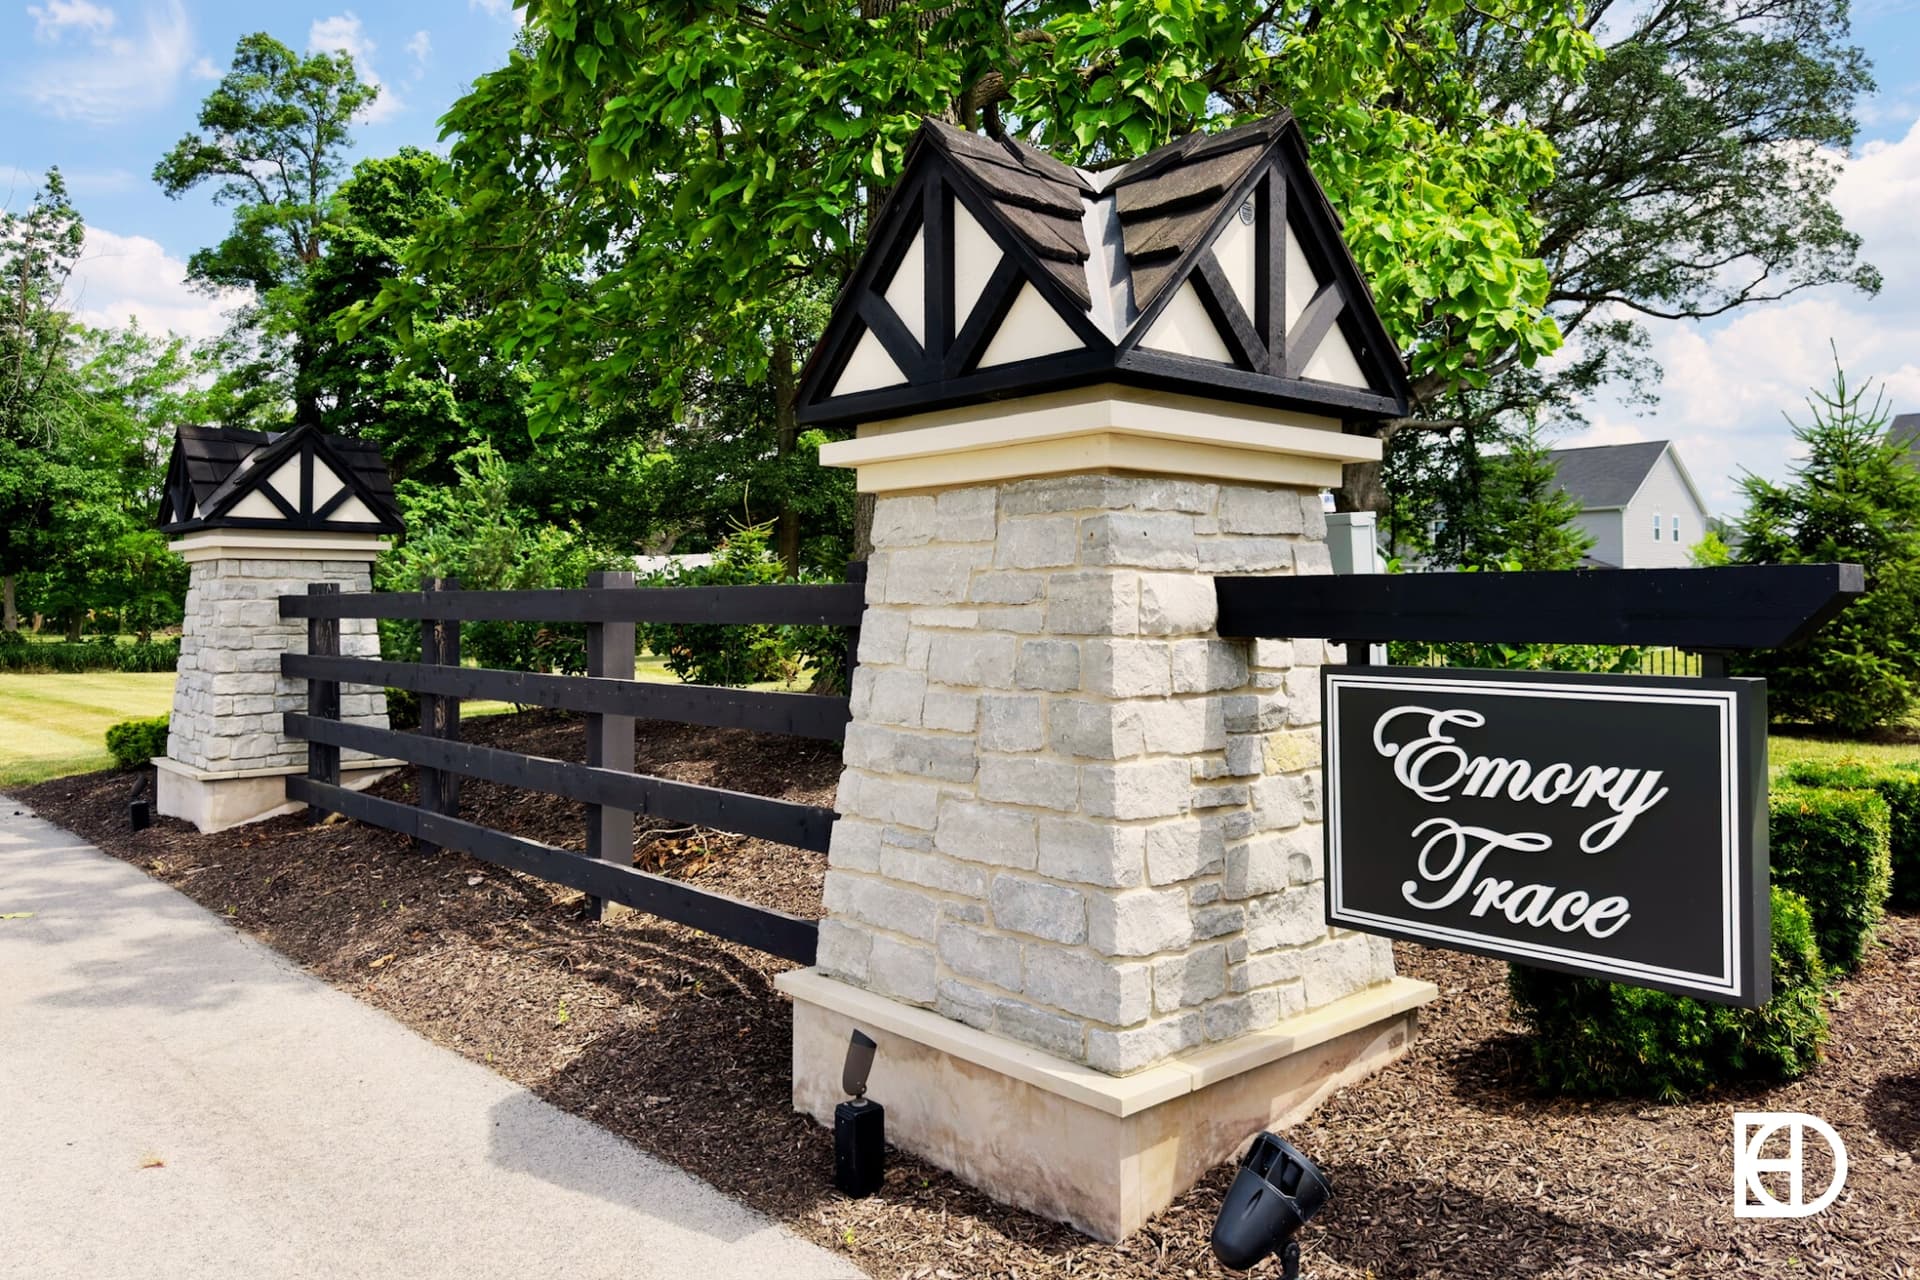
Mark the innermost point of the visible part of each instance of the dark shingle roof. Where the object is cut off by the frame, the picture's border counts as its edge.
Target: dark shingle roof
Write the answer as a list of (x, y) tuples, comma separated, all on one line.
[(212, 467), (1905, 429), (1607, 475), (1037, 196), (1169, 200), (1107, 252)]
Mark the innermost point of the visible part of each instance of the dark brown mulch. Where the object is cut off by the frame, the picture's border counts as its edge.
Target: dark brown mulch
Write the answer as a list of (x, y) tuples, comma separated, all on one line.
[(1447, 1164)]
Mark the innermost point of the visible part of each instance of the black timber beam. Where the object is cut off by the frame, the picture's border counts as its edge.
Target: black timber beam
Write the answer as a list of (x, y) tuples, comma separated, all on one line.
[(1742, 607), (762, 928)]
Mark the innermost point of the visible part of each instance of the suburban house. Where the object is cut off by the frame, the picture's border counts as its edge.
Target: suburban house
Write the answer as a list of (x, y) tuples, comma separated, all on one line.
[(1637, 502)]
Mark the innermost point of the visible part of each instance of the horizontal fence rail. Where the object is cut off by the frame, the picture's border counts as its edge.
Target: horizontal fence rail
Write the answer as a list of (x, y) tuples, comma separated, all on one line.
[(609, 698), (776, 932), (783, 821), (1743, 607), (804, 715), (829, 605)]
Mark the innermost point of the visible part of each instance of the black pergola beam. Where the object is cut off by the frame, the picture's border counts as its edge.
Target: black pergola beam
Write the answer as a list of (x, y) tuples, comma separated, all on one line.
[(1743, 607)]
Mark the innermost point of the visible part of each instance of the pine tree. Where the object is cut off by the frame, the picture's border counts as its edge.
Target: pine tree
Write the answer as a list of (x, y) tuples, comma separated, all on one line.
[(1856, 499)]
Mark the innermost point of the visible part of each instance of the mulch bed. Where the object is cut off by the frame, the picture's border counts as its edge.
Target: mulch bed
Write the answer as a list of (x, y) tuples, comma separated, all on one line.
[(1446, 1164)]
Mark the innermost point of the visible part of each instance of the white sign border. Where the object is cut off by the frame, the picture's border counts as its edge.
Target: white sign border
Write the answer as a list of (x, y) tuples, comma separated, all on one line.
[(1727, 982)]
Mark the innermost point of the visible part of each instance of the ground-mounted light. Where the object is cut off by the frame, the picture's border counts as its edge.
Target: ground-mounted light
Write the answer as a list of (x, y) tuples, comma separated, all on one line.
[(139, 811), (1273, 1195), (859, 1125)]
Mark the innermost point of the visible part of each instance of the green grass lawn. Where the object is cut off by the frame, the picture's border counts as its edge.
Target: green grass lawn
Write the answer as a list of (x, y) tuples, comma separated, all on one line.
[(53, 725)]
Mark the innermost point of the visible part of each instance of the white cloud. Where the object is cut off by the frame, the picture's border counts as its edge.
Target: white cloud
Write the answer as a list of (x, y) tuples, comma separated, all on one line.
[(420, 46), (131, 277), (498, 9), (17, 185), (62, 16), (1728, 386), (343, 33), (113, 76), (204, 68)]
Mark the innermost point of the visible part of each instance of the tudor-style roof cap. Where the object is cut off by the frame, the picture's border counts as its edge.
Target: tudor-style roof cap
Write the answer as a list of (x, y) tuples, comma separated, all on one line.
[(304, 479), (1213, 266)]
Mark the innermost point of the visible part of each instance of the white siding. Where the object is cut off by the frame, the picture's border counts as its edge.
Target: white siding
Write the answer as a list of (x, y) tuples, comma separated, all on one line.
[(1664, 493), (1604, 528)]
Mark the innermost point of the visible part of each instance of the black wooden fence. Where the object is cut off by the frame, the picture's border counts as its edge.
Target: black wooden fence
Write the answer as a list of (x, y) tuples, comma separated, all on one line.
[(610, 698)]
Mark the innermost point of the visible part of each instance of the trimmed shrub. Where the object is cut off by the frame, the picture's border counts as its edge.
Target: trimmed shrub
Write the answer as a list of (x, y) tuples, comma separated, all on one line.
[(1594, 1038), (1831, 847), (64, 659), (134, 742), (1899, 786)]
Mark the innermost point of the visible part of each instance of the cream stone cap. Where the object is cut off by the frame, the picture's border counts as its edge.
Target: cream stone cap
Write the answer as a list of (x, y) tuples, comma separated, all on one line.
[(1119, 1096), (277, 544), (1103, 428)]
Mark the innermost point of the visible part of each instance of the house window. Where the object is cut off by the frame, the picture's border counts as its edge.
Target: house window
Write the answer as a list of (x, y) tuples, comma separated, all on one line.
[(1676, 528), (1656, 526)]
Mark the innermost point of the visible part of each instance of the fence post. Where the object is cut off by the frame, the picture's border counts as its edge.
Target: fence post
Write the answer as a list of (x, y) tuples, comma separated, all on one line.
[(610, 654), (856, 573), (439, 714), (323, 696)]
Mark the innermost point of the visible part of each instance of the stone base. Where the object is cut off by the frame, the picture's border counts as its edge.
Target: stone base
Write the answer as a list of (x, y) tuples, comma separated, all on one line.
[(1102, 1153), (216, 801)]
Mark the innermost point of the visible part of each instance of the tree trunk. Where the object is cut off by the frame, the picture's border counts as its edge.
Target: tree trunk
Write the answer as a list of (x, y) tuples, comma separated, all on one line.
[(1360, 488), (73, 626), (786, 437), (9, 615)]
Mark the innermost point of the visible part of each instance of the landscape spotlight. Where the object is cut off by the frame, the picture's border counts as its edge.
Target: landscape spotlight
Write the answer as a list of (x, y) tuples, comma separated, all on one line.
[(1273, 1195), (859, 1125)]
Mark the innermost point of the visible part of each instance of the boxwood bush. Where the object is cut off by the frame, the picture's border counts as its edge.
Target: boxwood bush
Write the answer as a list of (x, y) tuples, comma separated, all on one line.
[(1899, 786), (63, 658), (134, 742), (1831, 847), (1601, 1039)]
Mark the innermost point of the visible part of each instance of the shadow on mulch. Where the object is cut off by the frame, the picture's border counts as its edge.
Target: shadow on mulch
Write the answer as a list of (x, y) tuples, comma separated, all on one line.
[(1893, 1109)]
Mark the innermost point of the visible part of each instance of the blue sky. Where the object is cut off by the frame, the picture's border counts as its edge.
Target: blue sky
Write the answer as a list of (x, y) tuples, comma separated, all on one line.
[(103, 88)]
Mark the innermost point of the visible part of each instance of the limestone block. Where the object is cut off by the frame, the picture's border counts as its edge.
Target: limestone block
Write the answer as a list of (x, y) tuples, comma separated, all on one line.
[(965, 515), (1138, 789), (1131, 1049), (978, 954), (986, 834), (1091, 853), (1046, 784), (1052, 665), (1158, 541), (1093, 602), (1012, 723), (1138, 922), (1079, 982), (1176, 604), (875, 902), (1264, 511), (1035, 542), (1039, 909)]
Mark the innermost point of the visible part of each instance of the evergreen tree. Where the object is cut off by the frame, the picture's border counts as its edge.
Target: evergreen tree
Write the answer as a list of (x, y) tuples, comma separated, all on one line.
[(1855, 498)]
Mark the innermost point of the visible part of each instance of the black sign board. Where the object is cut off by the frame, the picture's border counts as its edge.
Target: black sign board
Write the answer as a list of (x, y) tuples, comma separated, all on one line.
[(1605, 825)]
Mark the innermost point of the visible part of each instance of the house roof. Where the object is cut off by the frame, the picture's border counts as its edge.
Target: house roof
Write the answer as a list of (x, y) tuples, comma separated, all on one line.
[(213, 469), (1905, 429), (1212, 265), (1605, 477)]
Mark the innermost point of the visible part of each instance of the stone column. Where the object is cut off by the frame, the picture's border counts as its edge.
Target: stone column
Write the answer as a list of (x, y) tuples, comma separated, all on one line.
[(226, 755), (1076, 887)]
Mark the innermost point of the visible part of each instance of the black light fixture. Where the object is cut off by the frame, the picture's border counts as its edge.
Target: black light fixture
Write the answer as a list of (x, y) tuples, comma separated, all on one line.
[(859, 1125), (1276, 1191), (139, 813)]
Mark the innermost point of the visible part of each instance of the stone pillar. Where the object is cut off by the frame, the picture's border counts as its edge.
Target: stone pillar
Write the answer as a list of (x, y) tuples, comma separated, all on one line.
[(226, 755), (1076, 887)]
